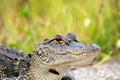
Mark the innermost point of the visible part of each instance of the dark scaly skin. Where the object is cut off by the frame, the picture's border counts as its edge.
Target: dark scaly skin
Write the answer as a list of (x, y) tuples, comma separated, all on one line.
[(50, 59), (13, 63)]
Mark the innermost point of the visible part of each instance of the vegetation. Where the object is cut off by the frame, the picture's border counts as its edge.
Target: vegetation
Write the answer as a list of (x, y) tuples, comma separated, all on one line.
[(25, 23)]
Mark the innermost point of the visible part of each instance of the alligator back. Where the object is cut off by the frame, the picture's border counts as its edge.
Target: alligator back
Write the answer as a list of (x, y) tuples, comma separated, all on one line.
[(13, 63)]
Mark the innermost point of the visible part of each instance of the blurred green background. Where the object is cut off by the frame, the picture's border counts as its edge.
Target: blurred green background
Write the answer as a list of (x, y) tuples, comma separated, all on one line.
[(26, 23)]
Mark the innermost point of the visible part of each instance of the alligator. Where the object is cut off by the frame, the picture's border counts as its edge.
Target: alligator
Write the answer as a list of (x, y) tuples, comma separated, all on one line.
[(49, 60)]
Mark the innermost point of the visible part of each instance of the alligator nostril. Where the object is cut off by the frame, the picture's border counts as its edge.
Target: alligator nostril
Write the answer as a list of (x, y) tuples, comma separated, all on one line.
[(96, 47)]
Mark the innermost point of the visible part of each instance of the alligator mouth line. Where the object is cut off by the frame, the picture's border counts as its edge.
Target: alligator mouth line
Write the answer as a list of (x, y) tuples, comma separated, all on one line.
[(79, 52), (76, 59)]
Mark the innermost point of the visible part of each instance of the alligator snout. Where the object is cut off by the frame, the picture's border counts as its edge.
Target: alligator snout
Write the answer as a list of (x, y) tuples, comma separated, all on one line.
[(95, 47)]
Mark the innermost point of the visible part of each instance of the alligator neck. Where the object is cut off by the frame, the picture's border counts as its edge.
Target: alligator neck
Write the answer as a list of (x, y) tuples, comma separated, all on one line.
[(39, 71)]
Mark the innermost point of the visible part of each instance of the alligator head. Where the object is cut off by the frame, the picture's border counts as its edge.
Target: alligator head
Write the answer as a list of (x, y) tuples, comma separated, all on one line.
[(66, 50), (61, 52)]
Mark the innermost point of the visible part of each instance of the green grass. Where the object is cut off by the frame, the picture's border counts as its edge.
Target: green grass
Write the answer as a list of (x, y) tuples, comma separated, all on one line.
[(25, 23)]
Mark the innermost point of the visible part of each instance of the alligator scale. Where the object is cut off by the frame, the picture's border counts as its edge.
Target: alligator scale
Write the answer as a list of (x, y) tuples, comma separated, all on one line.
[(49, 60)]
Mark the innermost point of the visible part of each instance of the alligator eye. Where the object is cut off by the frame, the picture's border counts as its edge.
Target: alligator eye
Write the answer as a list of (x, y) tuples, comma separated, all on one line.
[(58, 38)]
